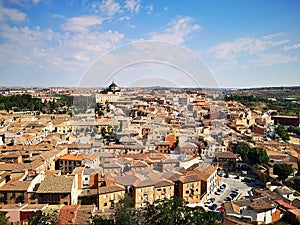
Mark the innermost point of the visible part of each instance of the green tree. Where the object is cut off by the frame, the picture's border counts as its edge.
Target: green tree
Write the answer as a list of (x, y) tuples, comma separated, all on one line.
[(100, 221), (251, 155), (243, 149), (283, 133), (257, 156), (296, 184), (282, 170), (3, 218), (175, 211), (44, 218), (124, 211), (2, 106)]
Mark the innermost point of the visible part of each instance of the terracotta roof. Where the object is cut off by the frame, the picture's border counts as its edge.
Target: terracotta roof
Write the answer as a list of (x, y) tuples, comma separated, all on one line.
[(56, 184), (11, 155), (138, 163), (258, 205), (189, 178), (226, 155), (72, 157), (111, 189), (144, 183), (171, 175), (67, 214), (204, 171), (164, 183), (84, 214), (126, 180), (285, 205), (15, 186)]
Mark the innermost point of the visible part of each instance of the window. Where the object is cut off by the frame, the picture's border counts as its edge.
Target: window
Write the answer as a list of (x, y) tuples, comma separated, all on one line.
[(104, 196), (105, 204), (158, 189)]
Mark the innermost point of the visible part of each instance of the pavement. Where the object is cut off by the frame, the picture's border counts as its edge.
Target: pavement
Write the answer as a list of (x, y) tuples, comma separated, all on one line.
[(231, 185)]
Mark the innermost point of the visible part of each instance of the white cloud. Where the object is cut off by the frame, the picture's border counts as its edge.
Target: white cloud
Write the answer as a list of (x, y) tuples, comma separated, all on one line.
[(295, 46), (13, 15), (244, 45), (271, 36), (27, 2), (106, 7), (273, 58), (133, 6), (247, 52), (110, 7), (149, 9), (82, 23), (177, 31), (67, 51)]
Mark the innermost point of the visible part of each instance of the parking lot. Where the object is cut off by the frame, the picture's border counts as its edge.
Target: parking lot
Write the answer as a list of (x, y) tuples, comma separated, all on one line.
[(235, 189)]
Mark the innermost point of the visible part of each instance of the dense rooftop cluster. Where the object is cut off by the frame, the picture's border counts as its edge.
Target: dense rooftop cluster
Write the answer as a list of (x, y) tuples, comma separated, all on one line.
[(151, 144)]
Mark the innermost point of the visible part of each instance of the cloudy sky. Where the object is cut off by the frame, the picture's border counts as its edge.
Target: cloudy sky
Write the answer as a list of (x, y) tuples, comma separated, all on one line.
[(250, 43)]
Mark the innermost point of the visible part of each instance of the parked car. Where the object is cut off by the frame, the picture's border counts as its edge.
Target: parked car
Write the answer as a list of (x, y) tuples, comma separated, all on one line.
[(217, 193), (227, 199), (207, 204), (213, 207), (211, 199), (220, 190)]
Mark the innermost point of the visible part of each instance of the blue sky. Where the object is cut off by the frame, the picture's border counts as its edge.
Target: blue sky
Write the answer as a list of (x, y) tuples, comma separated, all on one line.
[(249, 43)]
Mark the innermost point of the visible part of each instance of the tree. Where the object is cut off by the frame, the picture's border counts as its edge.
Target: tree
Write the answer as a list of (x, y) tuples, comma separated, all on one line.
[(124, 211), (251, 155), (100, 221), (283, 133), (282, 170), (257, 156), (297, 184), (243, 149), (3, 219), (175, 211), (44, 218)]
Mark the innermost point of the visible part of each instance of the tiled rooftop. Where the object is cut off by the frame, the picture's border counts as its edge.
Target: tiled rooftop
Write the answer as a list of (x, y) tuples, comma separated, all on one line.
[(56, 184)]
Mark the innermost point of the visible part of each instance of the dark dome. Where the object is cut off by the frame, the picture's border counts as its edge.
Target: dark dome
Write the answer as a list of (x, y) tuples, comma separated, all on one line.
[(112, 85)]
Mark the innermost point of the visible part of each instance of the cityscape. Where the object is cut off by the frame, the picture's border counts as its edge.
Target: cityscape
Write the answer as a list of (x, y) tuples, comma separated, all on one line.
[(219, 151), (149, 112)]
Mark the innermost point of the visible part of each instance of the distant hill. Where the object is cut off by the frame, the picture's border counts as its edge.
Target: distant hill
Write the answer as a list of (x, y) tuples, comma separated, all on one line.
[(270, 92)]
